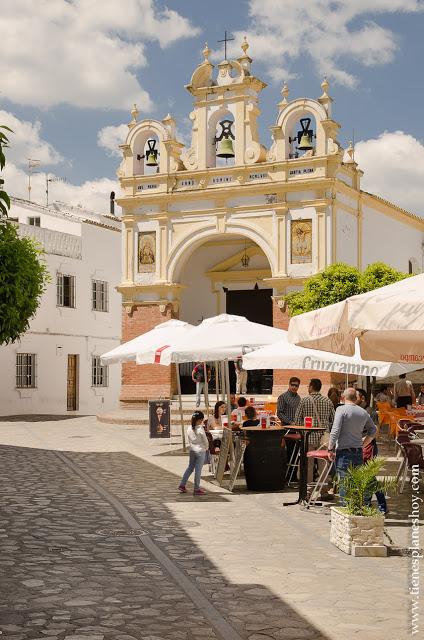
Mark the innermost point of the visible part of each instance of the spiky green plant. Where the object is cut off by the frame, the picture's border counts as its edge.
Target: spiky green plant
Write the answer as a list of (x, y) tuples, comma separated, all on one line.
[(361, 482)]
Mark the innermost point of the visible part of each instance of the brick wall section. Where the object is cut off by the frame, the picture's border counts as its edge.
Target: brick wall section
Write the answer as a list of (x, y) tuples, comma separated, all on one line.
[(281, 376), (143, 382)]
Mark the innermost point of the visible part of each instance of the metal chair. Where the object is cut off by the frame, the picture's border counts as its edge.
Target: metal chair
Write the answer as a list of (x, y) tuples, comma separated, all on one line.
[(320, 454), (293, 463)]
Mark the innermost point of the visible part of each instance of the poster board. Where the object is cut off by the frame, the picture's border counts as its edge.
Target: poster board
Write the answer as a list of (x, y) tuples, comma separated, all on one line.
[(238, 458), (226, 445), (160, 418)]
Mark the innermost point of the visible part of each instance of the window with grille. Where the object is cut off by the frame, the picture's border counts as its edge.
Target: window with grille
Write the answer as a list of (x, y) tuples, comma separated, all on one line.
[(65, 290), (34, 222), (26, 370), (99, 295), (99, 373)]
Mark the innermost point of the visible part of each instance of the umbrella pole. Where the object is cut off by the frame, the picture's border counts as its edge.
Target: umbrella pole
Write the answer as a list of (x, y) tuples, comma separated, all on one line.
[(227, 379), (217, 380), (205, 372), (222, 365), (177, 366)]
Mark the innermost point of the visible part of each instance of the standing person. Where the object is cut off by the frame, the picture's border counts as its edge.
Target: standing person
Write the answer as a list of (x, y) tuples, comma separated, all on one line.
[(321, 409), (404, 392), (288, 402), (241, 376), (384, 395), (370, 450), (198, 376), (198, 444), (420, 397), (345, 444), (334, 395)]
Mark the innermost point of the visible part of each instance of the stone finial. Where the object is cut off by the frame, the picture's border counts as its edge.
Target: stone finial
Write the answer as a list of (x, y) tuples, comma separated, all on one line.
[(134, 115), (325, 86), (351, 153), (244, 46), (285, 93), (206, 52), (325, 99)]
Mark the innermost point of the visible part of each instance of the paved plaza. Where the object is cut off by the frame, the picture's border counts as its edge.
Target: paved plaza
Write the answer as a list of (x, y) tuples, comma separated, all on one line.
[(97, 544)]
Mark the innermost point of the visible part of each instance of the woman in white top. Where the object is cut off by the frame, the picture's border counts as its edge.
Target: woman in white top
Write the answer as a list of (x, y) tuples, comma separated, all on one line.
[(198, 444)]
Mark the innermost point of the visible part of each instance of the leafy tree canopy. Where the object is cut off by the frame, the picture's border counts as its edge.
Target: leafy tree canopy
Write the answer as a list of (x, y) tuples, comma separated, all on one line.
[(23, 273), (338, 282), (23, 277)]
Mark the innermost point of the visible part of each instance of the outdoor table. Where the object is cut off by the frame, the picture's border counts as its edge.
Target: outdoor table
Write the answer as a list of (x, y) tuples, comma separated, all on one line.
[(303, 460), (265, 460)]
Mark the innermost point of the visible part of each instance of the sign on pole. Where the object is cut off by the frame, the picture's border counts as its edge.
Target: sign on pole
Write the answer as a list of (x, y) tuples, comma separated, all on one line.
[(160, 418)]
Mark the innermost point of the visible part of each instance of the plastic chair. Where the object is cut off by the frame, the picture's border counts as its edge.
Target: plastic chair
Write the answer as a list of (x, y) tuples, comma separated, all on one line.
[(319, 454)]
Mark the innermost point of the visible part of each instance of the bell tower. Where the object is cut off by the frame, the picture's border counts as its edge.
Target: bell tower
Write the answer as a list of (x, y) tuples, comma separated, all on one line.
[(224, 118)]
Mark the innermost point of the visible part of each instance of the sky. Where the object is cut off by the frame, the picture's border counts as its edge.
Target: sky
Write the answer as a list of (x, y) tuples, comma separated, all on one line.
[(70, 71)]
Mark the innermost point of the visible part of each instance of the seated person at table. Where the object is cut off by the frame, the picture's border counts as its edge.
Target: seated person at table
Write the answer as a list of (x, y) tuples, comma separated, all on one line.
[(241, 402), (252, 420), (214, 421)]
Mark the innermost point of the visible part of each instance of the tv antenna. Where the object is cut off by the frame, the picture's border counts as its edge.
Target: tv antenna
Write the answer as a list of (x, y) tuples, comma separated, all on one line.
[(32, 164), (51, 179)]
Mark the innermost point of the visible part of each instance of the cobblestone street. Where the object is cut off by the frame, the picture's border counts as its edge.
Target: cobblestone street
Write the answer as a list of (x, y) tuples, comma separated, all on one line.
[(97, 544)]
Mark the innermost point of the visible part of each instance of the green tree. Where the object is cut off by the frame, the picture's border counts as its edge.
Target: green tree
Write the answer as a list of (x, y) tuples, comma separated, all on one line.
[(379, 274), (23, 272), (338, 282), (4, 198)]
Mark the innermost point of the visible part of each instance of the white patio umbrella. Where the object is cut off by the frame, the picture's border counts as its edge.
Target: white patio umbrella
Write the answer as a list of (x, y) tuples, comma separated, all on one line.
[(144, 346), (219, 338), (388, 322), (284, 355)]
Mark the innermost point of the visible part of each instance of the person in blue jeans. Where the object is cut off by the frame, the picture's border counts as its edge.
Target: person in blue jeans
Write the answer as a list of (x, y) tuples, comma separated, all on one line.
[(198, 444), (346, 436)]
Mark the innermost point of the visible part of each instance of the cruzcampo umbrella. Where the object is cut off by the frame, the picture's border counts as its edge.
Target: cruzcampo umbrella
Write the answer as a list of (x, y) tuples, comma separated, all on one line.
[(388, 323), (284, 355)]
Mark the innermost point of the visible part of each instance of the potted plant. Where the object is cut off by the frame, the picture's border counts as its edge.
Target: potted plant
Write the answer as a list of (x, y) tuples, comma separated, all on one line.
[(356, 528)]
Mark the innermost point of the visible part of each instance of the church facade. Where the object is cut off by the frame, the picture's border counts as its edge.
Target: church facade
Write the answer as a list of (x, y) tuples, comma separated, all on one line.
[(227, 225)]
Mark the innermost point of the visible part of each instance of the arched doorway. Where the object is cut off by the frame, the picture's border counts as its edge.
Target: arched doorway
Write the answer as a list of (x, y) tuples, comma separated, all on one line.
[(227, 273)]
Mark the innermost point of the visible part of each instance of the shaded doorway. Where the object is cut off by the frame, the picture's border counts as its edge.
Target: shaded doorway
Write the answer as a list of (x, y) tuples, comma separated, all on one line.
[(256, 306), (72, 382)]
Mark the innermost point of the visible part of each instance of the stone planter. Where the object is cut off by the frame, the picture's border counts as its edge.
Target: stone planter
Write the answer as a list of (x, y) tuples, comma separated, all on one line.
[(358, 535)]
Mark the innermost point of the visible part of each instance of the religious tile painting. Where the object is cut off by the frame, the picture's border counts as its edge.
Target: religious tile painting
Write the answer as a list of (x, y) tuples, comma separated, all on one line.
[(147, 252), (301, 241)]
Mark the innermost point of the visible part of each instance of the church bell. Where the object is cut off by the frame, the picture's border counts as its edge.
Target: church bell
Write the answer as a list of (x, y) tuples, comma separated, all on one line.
[(224, 141), (305, 143), (151, 158), (225, 148)]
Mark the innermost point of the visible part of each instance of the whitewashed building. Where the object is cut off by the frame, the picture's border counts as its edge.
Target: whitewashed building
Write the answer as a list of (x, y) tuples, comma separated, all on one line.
[(55, 367)]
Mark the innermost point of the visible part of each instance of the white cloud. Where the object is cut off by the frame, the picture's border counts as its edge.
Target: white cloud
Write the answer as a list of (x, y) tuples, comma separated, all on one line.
[(82, 52), (393, 166), (110, 137), (25, 142), (326, 33)]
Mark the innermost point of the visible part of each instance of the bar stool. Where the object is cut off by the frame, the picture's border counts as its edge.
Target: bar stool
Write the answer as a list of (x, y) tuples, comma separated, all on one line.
[(293, 463), (319, 454)]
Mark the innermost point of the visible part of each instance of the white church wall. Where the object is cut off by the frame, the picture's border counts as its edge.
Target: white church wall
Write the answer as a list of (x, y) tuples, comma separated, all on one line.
[(346, 238), (296, 196), (386, 239)]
